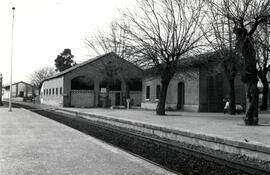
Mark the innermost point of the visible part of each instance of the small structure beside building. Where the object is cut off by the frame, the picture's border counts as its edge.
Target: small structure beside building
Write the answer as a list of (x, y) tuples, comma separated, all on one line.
[(87, 84), (20, 90)]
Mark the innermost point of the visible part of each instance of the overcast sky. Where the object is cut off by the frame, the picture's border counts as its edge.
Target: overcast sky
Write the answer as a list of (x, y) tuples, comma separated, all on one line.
[(44, 28)]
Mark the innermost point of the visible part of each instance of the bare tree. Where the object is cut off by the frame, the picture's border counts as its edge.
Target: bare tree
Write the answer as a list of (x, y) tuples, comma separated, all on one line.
[(263, 51), (164, 32), (112, 41), (221, 41), (39, 75), (246, 16)]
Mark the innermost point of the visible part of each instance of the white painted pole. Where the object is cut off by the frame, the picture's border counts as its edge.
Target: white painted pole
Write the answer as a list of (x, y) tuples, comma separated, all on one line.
[(1, 86), (11, 60)]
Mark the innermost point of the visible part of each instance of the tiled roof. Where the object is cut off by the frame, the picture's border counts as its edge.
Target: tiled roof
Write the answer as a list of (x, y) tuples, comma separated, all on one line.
[(190, 62), (77, 66), (84, 63)]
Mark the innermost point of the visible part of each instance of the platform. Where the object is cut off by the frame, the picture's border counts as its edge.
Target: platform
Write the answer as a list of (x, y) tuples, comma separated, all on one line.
[(216, 131), (32, 144)]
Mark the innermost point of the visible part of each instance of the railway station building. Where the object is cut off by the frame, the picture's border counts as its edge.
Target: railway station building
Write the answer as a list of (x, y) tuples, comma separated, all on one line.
[(19, 90), (86, 84), (196, 86)]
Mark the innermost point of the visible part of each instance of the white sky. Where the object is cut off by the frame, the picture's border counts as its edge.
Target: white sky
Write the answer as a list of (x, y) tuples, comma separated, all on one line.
[(44, 28)]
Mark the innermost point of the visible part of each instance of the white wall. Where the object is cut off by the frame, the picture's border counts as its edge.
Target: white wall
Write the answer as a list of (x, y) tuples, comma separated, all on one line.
[(52, 99)]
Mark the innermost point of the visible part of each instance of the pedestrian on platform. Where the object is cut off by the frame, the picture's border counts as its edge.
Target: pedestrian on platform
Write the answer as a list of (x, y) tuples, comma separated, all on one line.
[(227, 104)]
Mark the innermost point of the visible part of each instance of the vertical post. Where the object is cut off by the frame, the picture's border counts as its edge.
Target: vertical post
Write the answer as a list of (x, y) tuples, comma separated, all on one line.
[(11, 59), (1, 85), (96, 90)]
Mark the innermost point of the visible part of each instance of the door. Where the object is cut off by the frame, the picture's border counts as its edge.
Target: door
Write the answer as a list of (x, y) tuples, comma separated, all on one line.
[(21, 94), (180, 95), (117, 98)]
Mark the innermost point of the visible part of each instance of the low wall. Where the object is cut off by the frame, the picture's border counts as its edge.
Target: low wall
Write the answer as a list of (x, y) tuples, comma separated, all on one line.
[(153, 106)]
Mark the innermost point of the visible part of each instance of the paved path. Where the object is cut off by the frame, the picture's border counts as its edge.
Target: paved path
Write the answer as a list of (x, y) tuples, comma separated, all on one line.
[(32, 144), (211, 124)]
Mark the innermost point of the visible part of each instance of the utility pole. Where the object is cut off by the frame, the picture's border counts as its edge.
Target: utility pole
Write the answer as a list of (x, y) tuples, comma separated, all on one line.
[(10, 87), (1, 85)]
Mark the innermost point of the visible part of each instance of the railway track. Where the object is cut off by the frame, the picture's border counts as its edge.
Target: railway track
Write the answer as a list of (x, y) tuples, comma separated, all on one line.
[(166, 154)]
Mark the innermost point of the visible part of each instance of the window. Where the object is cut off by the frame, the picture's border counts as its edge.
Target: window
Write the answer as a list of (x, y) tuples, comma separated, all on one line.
[(44, 92), (47, 92), (53, 91), (82, 83), (157, 91), (147, 92), (56, 91), (50, 91), (60, 91)]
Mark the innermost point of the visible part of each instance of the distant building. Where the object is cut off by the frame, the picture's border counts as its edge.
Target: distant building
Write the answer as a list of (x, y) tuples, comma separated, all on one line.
[(19, 89), (84, 85), (195, 87)]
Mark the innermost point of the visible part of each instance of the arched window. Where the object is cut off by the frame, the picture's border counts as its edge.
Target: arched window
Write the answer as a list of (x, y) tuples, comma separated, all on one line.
[(82, 83)]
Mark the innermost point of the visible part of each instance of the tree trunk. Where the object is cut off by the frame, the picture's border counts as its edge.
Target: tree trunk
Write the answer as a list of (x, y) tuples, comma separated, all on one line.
[(249, 75), (251, 117), (232, 108), (250, 79), (265, 93), (162, 98)]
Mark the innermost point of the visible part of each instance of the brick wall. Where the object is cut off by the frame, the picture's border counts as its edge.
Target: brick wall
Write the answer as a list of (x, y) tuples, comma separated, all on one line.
[(214, 88), (95, 72), (211, 92)]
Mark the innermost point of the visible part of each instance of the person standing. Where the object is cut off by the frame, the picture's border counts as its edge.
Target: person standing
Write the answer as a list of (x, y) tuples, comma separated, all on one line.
[(227, 104)]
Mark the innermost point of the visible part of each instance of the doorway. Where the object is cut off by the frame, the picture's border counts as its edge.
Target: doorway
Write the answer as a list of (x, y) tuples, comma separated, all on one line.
[(117, 98), (180, 95), (21, 94)]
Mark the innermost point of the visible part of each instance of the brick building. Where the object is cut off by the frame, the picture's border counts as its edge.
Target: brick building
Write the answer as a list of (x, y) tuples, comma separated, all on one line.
[(19, 89), (86, 84), (195, 87)]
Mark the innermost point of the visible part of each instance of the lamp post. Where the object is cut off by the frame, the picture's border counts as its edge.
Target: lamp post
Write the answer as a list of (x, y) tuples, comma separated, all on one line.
[(1, 78), (10, 87)]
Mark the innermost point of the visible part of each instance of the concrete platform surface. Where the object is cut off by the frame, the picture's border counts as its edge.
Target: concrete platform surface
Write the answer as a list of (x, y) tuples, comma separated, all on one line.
[(217, 131), (32, 144), (220, 125)]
